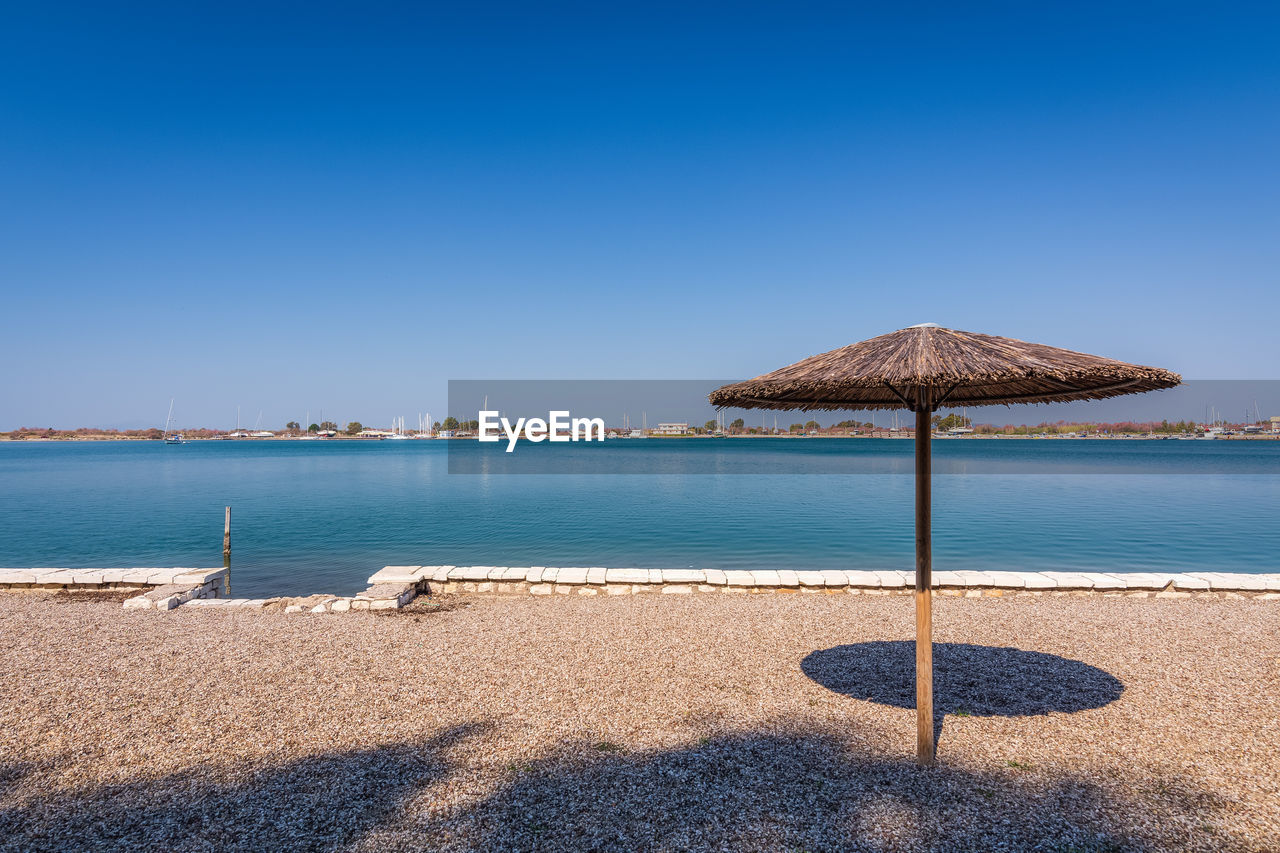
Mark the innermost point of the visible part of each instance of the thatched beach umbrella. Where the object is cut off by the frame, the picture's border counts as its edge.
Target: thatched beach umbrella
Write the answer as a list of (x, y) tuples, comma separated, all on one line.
[(923, 368)]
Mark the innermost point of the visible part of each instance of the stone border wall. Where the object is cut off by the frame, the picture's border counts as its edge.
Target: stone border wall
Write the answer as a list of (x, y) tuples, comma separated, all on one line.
[(158, 589), (392, 587), (540, 580), (84, 579), (166, 589)]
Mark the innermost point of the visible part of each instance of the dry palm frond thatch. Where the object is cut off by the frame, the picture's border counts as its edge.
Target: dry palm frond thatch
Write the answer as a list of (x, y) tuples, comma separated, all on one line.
[(941, 367)]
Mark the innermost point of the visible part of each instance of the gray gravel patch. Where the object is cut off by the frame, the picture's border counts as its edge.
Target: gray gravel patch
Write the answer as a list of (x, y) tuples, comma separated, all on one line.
[(640, 723)]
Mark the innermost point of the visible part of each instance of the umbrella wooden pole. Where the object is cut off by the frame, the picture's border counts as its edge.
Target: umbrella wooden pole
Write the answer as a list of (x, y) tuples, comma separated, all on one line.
[(925, 749)]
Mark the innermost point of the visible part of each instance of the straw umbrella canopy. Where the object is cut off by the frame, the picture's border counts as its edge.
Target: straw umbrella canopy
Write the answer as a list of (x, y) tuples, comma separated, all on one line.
[(921, 369)]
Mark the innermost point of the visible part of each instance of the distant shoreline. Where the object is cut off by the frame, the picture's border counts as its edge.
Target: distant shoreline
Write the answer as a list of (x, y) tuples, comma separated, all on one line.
[(905, 436)]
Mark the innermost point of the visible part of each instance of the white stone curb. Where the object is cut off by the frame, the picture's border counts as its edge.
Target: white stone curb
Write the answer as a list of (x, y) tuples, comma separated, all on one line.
[(393, 587), (98, 578), (544, 580)]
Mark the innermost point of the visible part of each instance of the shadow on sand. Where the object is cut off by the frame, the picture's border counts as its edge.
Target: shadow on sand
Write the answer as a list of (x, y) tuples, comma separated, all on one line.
[(981, 681), (791, 788), (315, 802)]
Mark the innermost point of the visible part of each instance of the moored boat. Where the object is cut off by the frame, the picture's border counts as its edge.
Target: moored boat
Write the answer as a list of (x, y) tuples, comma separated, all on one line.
[(169, 436)]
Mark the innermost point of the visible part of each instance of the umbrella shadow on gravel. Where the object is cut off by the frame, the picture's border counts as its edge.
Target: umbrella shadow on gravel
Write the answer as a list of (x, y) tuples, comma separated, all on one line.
[(808, 790), (790, 788), (314, 802), (980, 681)]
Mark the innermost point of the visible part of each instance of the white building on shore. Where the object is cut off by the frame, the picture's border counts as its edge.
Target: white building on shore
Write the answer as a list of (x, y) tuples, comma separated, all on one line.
[(671, 429)]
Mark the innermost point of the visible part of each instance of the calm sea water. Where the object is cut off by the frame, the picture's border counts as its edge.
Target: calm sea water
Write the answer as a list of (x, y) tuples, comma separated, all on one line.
[(322, 516)]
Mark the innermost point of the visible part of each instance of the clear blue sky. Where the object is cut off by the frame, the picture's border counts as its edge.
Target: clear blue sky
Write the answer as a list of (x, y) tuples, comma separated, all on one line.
[(341, 206)]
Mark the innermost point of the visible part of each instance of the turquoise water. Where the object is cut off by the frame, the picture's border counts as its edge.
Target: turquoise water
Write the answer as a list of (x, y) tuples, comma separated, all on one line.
[(322, 516)]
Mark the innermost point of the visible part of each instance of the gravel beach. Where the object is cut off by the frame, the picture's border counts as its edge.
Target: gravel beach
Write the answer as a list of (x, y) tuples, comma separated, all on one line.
[(653, 722)]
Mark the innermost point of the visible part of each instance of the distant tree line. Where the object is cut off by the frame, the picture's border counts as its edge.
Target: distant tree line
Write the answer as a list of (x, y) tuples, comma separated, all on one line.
[(452, 423), (1163, 427)]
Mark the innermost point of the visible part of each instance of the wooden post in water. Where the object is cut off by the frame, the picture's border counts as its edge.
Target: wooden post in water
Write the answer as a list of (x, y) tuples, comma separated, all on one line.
[(925, 747), (226, 552), (226, 540)]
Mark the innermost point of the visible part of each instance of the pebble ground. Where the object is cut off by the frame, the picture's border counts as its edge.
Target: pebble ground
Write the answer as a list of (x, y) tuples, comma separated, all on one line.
[(706, 722)]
